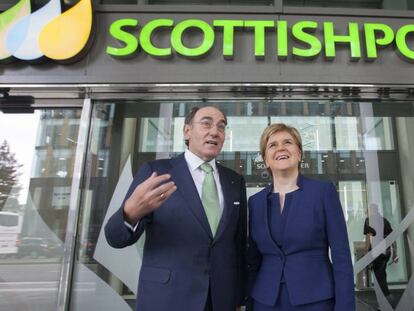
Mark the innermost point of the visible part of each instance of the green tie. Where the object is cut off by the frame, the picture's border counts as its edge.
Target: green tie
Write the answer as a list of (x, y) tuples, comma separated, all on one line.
[(209, 197)]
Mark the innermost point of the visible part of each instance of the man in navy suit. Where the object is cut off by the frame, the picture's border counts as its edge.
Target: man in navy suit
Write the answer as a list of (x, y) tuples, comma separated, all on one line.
[(189, 263)]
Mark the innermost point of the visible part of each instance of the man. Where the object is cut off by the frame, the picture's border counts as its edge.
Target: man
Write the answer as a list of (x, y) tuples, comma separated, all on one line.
[(376, 229), (195, 224)]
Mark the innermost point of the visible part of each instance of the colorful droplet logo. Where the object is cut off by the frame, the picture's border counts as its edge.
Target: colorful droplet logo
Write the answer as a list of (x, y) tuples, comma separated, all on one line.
[(7, 21), (45, 32)]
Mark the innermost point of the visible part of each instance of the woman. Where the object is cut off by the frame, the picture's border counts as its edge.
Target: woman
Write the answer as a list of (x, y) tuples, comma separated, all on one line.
[(294, 223)]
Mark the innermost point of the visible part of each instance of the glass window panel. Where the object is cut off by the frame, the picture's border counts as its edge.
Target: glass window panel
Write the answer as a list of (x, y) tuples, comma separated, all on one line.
[(365, 4), (376, 136), (346, 133), (192, 2), (354, 197), (36, 175), (369, 4), (179, 144), (364, 148), (124, 2), (157, 134), (243, 133), (315, 131)]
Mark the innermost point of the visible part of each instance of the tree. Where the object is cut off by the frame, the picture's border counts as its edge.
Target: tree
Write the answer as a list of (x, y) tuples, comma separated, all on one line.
[(9, 175)]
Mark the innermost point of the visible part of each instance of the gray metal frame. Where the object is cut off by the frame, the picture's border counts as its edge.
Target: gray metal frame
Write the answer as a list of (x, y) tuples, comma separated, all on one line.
[(276, 8), (59, 95), (168, 92), (66, 275)]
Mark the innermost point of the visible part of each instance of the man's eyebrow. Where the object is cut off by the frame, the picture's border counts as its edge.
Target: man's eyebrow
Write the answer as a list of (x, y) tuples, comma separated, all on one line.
[(211, 119)]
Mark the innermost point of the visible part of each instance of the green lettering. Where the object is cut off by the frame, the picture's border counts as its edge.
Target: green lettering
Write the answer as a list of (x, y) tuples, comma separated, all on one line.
[(298, 33), (259, 35), (282, 47), (371, 41), (130, 41), (400, 39), (145, 37), (178, 31), (352, 39), (228, 35)]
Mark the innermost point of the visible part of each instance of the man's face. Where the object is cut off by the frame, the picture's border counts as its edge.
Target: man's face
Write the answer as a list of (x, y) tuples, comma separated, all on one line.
[(206, 133)]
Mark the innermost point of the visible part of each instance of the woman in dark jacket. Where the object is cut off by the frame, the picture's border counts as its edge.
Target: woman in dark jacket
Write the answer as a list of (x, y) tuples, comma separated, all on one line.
[(294, 224)]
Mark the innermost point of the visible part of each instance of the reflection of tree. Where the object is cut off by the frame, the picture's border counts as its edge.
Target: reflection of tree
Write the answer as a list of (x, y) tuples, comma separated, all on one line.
[(9, 175)]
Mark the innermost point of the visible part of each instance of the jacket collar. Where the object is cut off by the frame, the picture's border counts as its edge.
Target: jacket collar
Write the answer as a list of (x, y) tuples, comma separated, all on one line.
[(299, 183)]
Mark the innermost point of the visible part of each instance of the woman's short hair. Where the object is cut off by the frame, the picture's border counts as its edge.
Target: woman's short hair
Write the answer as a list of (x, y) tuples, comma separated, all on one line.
[(275, 128)]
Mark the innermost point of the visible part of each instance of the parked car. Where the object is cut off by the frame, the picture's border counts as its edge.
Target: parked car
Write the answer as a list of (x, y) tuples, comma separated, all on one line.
[(35, 247)]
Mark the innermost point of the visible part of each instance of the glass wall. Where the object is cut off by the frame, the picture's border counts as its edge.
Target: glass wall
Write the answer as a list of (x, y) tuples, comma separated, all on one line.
[(191, 2), (362, 147), (36, 167), (352, 4), (365, 4)]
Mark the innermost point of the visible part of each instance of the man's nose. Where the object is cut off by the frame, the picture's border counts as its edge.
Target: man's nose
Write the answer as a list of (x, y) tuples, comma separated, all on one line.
[(214, 130)]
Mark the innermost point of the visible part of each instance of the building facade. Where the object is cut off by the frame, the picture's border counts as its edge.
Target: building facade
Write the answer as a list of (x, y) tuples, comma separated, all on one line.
[(90, 90)]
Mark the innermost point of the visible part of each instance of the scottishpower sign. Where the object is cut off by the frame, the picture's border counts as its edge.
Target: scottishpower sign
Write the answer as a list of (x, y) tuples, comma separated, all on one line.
[(51, 33), (47, 32), (365, 38)]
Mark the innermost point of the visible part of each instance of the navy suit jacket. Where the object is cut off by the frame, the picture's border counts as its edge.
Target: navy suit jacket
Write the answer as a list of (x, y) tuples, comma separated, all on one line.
[(315, 223), (182, 260)]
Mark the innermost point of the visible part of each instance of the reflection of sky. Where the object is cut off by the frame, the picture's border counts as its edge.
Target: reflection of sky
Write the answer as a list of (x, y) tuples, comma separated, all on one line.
[(20, 132)]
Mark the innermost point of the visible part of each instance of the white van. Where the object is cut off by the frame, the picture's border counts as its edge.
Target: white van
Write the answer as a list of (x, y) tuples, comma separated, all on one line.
[(10, 229)]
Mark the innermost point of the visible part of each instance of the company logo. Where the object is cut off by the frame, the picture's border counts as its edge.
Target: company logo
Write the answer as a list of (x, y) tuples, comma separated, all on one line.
[(301, 39), (46, 32)]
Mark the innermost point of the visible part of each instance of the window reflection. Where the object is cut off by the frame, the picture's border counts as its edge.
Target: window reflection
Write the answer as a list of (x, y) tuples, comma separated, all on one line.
[(34, 214), (362, 147), (365, 4), (165, 134), (200, 2)]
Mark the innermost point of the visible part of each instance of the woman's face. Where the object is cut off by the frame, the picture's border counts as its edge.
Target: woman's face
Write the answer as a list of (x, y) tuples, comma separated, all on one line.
[(282, 153)]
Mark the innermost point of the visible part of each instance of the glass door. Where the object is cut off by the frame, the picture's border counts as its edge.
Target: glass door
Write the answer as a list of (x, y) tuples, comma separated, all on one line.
[(363, 147), (37, 153)]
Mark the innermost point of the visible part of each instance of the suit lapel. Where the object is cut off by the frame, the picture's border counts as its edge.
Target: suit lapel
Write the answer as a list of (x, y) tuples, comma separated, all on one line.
[(297, 201), (180, 174), (264, 203), (228, 188), (292, 215)]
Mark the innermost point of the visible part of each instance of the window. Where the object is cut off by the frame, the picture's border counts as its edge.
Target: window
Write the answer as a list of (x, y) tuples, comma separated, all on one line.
[(34, 204), (363, 147), (366, 4), (191, 2)]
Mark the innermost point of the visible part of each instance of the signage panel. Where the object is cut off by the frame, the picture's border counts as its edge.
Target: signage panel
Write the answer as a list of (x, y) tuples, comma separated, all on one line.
[(47, 32), (374, 36)]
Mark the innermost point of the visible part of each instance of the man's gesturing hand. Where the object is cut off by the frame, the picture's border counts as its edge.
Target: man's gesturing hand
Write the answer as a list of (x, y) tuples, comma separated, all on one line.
[(148, 196)]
